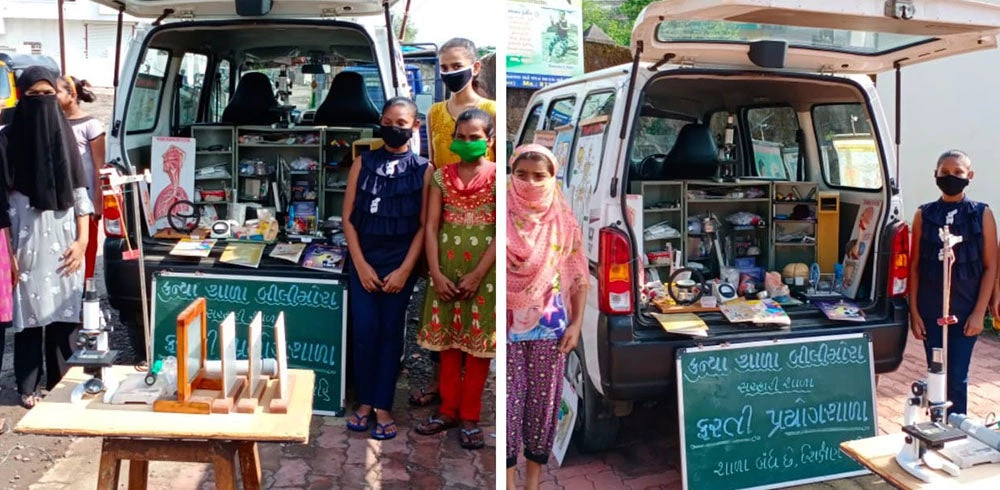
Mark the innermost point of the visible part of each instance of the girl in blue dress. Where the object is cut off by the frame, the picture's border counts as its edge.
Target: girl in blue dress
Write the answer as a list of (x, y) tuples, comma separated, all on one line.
[(973, 274), (384, 227)]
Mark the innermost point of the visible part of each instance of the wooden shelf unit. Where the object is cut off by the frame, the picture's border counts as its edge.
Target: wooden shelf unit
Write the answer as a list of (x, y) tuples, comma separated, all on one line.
[(212, 137), (786, 252)]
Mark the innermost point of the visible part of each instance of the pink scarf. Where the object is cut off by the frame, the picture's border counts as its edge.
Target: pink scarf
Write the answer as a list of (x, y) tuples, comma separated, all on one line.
[(543, 239)]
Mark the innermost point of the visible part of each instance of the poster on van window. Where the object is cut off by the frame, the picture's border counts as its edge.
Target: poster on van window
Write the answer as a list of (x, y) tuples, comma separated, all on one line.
[(561, 149), (544, 41), (858, 248), (172, 171), (585, 168), (858, 162)]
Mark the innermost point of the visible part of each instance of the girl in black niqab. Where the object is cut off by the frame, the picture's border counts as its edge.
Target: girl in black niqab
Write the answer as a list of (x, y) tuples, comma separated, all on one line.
[(49, 215)]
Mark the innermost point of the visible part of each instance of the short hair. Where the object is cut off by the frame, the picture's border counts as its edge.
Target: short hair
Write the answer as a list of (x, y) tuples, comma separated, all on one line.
[(460, 43), (400, 102), (956, 154), (476, 114)]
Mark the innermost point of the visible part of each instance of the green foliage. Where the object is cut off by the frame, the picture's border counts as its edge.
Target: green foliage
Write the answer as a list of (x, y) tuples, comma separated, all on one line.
[(411, 29), (616, 22)]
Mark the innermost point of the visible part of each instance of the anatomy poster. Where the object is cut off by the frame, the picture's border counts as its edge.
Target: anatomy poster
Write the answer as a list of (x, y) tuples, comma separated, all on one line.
[(172, 169), (586, 167), (859, 246)]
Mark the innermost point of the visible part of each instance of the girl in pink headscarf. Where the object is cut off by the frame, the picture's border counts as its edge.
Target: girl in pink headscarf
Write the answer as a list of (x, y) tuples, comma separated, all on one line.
[(546, 293)]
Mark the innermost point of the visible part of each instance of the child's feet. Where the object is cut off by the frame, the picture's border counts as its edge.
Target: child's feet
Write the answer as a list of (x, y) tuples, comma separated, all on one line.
[(361, 420), (471, 436), (385, 427)]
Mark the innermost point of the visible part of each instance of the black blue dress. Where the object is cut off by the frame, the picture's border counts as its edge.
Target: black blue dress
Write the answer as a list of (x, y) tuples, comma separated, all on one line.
[(966, 274), (386, 215)]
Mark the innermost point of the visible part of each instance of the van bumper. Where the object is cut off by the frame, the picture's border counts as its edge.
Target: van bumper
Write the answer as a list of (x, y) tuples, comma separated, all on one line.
[(638, 366)]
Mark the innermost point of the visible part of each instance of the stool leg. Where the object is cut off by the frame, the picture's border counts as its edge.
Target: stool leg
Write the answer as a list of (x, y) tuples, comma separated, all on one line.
[(224, 461), (138, 472), (107, 477), (250, 465)]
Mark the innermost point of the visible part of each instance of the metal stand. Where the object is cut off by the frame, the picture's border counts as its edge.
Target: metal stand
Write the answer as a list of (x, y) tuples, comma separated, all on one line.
[(931, 394)]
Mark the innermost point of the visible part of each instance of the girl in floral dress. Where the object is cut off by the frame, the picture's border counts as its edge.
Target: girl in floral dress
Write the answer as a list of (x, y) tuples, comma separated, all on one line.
[(459, 312)]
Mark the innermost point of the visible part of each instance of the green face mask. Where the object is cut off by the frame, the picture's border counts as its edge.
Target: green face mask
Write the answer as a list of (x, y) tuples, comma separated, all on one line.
[(469, 151)]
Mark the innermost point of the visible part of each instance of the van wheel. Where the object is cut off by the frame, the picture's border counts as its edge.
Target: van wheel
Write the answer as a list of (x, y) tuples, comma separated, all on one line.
[(596, 425)]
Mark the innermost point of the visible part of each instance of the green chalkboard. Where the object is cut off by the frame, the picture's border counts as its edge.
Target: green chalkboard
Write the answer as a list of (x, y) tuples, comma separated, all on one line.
[(315, 322), (771, 414)]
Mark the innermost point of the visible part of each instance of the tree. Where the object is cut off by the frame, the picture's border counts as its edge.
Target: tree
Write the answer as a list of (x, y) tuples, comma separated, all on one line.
[(411, 30), (616, 22)]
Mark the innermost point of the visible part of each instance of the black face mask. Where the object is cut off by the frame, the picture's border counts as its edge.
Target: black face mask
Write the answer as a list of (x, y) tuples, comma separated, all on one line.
[(457, 80), (395, 136), (951, 185)]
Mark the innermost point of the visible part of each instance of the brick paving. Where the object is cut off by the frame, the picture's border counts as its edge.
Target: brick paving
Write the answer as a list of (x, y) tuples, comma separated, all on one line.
[(647, 456)]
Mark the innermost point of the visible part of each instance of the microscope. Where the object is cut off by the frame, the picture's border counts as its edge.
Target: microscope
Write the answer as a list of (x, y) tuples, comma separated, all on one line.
[(93, 351)]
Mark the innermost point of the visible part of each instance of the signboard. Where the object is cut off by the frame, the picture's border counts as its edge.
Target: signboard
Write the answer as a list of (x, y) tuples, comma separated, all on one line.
[(544, 41), (773, 414), (315, 322)]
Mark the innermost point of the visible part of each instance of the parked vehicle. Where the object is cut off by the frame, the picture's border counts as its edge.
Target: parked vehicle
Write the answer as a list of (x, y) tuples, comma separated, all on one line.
[(797, 88)]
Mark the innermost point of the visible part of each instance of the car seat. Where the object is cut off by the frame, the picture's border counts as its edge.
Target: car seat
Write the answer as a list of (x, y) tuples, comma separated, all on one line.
[(694, 155), (253, 103), (347, 103)]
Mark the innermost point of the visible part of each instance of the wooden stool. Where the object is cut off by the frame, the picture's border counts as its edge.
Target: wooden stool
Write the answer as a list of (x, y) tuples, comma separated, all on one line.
[(139, 452)]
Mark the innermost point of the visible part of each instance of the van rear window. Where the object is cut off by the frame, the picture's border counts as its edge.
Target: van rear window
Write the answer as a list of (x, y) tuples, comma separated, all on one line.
[(144, 105), (847, 146)]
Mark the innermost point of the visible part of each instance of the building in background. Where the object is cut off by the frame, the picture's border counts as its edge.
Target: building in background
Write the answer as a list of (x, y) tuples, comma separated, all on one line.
[(32, 27)]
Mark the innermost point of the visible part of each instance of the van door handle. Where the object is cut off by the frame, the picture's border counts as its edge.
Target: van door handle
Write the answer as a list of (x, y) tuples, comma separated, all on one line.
[(115, 128)]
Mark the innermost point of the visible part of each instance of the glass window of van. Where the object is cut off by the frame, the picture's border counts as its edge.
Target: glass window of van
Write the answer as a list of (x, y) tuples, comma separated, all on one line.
[(775, 149), (531, 125), (560, 113), (144, 102), (4, 82), (190, 80), (220, 91), (597, 106), (847, 146)]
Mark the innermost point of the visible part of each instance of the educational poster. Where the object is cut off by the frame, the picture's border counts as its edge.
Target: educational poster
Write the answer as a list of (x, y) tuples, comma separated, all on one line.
[(859, 246), (586, 168), (562, 147), (545, 138), (172, 169), (858, 162), (544, 41), (567, 420), (770, 163)]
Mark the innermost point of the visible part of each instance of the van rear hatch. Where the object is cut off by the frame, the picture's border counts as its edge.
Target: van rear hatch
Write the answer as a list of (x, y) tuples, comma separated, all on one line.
[(215, 9), (844, 36)]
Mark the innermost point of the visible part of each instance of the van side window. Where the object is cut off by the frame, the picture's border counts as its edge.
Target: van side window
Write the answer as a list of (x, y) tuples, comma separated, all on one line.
[(144, 103), (190, 80), (220, 91), (775, 149), (847, 146), (595, 105), (531, 125), (560, 113)]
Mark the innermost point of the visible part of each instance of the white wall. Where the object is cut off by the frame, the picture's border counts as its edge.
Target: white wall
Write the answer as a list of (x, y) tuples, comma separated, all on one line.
[(98, 68)]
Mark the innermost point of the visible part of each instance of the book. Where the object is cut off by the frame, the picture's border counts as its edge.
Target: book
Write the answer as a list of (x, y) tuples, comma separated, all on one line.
[(189, 247), (682, 323), (245, 254), (323, 257), (759, 311), (842, 310), (291, 252)]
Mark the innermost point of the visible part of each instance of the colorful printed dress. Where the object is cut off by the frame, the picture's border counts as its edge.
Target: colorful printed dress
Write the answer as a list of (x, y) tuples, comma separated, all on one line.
[(468, 225)]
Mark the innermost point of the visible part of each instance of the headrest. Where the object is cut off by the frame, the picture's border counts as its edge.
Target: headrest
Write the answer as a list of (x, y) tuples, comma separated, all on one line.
[(694, 155)]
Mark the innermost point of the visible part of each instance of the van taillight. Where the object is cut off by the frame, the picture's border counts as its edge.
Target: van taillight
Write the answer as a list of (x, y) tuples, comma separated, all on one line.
[(899, 267), (113, 217), (614, 282)]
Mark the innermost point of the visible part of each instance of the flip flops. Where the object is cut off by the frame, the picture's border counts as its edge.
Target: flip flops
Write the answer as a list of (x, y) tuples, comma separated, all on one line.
[(440, 425), (419, 400), (363, 422), (381, 431), (467, 441)]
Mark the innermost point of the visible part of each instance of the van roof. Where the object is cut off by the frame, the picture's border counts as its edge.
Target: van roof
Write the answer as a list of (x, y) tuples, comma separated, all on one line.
[(221, 9)]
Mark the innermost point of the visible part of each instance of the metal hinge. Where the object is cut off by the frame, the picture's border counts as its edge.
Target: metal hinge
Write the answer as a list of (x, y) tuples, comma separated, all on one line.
[(900, 9), (827, 70), (185, 15), (685, 62)]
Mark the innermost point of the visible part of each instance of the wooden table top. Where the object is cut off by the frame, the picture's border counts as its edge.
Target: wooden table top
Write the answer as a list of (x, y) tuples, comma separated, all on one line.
[(879, 455), (57, 416)]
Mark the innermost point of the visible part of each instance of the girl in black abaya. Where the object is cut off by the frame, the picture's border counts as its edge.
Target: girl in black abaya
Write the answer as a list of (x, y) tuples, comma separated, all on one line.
[(49, 216)]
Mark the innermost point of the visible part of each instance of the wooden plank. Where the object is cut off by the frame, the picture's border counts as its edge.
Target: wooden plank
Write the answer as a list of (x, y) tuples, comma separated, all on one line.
[(110, 467), (138, 473), (250, 465), (57, 416), (224, 461), (879, 455)]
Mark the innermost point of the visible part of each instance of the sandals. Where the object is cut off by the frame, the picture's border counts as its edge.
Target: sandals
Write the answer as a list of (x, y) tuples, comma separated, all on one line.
[(29, 401), (381, 431), (421, 400), (363, 422), (468, 440), (440, 424)]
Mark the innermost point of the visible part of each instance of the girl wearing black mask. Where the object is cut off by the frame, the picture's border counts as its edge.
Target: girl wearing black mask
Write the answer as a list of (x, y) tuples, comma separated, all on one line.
[(973, 275), (50, 212), (459, 68), (384, 227)]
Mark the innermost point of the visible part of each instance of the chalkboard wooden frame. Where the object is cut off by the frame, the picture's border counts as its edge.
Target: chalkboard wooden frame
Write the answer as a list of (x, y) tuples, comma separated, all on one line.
[(686, 477), (328, 398)]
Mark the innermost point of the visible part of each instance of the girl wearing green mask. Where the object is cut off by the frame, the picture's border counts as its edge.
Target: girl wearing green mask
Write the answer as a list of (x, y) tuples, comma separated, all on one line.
[(459, 320)]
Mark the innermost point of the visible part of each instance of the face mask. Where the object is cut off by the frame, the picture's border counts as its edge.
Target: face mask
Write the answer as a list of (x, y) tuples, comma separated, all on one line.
[(469, 151), (539, 195), (457, 80), (951, 185), (395, 136)]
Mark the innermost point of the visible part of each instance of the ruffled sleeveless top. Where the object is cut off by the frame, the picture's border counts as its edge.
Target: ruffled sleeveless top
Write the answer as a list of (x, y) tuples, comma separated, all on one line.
[(387, 204), (966, 272)]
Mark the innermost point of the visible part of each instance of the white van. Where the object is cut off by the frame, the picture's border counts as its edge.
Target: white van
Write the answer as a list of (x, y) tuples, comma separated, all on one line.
[(179, 78), (793, 84)]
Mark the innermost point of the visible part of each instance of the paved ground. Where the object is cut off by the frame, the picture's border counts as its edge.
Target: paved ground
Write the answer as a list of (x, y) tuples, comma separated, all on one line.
[(647, 454)]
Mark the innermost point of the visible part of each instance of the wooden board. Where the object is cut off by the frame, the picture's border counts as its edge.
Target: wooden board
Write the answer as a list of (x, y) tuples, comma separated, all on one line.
[(279, 402), (57, 416), (879, 455), (254, 383)]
